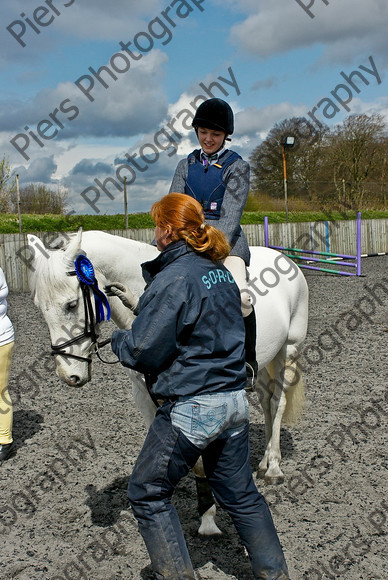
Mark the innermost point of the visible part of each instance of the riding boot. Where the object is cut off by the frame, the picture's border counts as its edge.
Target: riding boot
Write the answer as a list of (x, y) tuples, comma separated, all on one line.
[(250, 349)]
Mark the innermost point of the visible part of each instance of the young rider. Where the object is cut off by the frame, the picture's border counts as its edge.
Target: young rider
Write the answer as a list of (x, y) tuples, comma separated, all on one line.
[(219, 179), (183, 337)]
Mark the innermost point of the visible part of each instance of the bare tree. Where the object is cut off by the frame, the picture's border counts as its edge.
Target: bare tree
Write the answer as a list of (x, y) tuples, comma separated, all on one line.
[(39, 199), (355, 155)]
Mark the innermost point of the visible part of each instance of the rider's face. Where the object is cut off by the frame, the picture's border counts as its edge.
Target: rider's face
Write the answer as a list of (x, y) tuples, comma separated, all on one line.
[(210, 140)]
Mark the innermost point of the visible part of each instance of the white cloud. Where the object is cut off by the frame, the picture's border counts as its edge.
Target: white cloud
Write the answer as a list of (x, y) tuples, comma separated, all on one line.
[(83, 22), (122, 18), (379, 106), (147, 187), (39, 171), (133, 104), (254, 121), (346, 29)]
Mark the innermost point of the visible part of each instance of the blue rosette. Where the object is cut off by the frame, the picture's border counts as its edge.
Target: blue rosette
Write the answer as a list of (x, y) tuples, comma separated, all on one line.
[(85, 273)]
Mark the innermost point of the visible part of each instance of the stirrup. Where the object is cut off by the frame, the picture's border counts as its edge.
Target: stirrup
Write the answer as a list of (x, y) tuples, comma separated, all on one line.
[(251, 377)]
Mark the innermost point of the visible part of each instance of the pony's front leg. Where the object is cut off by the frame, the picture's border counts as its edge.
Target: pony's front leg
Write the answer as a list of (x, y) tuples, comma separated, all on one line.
[(206, 506)]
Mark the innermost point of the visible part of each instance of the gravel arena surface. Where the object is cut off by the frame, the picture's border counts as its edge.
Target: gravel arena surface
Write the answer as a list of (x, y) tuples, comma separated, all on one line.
[(63, 507)]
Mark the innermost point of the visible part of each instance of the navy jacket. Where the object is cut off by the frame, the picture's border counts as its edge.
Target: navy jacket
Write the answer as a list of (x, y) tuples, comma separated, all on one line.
[(189, 331)]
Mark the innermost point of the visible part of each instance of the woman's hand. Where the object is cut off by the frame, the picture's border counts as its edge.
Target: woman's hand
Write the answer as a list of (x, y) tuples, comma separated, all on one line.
[(122, 292)]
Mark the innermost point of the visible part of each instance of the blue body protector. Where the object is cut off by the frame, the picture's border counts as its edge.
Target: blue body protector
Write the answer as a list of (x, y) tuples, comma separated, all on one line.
[(206, 184)]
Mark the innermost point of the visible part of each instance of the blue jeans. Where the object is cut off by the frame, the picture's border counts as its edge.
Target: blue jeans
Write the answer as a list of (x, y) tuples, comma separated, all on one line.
[(204, 418), (218, 423)]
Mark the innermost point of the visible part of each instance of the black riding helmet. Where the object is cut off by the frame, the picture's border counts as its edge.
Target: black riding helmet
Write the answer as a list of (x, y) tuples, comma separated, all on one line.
[(214, 114)]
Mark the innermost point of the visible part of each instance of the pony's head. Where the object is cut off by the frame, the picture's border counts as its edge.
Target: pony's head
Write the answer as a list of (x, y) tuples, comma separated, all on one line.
[(59, 297)]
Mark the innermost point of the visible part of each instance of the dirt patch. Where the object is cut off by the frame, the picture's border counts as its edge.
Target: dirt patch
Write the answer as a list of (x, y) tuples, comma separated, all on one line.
[(63, 507)]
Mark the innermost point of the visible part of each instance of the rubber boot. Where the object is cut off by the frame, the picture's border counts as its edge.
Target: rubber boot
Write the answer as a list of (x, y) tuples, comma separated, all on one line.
[(250, 349)]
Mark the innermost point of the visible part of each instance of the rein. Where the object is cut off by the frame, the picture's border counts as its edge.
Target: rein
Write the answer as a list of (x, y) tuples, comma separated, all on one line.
[(85, 273)]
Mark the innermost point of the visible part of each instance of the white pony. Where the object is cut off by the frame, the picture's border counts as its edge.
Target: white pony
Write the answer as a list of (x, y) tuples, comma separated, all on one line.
[(278, 290)]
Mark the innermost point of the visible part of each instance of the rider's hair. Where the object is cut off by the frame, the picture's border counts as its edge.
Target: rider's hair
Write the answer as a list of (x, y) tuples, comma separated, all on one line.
[(185, 216)]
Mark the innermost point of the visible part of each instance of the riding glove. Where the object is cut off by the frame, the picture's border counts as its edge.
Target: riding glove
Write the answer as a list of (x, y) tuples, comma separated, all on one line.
[(122, 292)]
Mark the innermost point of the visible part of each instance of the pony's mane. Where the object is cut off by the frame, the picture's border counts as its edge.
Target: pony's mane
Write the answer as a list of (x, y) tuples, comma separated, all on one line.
[(49, 275)]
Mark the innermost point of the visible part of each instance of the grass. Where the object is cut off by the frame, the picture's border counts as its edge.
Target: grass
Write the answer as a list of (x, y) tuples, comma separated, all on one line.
[(9, 223), (257, 217), (298, 212)]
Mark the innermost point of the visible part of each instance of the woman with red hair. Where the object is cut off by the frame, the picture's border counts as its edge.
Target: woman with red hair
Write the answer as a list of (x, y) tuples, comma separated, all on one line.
[(189, 336)]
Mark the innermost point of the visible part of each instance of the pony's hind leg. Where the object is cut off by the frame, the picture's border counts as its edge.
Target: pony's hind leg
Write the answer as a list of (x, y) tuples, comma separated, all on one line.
[(264, 389), (286, 405), (278, 404), (273, 401)]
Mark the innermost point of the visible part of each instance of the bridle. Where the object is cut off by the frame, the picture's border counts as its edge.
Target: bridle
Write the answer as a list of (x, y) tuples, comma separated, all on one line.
[(85, 273)]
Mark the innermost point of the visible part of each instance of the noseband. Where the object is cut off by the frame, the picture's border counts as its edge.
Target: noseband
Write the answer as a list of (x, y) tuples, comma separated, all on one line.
[(85, 273)]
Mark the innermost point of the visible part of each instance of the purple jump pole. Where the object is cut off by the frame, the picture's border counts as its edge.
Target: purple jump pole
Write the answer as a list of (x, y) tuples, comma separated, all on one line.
[(358, 243), (357, 257), (315, 252), (331, 271)]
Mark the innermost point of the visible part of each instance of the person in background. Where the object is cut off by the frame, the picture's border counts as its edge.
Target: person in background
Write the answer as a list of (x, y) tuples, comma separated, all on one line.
[(6, 349), (218, 178), (194, 351)]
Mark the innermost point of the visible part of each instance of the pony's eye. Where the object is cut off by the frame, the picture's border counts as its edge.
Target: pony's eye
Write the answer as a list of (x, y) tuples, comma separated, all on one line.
[(71, 305)]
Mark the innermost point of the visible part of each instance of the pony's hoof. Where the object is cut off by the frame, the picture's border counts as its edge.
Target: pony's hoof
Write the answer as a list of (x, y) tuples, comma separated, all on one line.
[(209, 529), (274, 480), (208, 525), (261, 473)]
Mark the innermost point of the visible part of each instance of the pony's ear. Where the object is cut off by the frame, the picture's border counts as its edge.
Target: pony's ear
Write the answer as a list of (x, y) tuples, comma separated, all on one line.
[(34, 241), (74, 247), (36, 253), (36, 248)]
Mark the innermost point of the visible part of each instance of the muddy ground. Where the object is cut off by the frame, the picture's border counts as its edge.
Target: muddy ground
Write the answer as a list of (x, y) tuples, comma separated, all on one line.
[(63, 510)]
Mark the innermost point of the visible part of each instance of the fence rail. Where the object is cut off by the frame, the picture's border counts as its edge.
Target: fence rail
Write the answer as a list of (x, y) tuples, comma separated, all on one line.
[(339, 237)]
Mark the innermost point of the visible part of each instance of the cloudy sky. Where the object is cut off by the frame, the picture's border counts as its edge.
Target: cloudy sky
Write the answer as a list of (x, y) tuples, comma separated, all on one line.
[(94, 91)]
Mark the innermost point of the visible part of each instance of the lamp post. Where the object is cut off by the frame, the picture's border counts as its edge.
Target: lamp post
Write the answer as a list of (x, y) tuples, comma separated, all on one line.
[(288, 142)]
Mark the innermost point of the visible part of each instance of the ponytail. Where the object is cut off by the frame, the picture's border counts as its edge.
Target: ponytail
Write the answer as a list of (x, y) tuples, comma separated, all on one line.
[(185, 216)]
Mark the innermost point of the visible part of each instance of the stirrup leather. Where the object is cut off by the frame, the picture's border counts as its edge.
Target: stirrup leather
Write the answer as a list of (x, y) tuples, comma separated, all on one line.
[(251, 377)]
